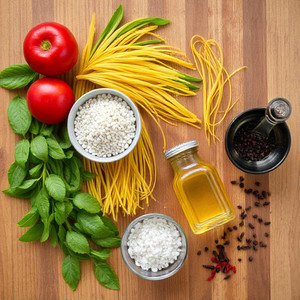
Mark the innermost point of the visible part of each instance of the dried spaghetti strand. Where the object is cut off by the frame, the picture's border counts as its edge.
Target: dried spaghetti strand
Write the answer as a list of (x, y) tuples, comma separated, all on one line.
[(208, 58)]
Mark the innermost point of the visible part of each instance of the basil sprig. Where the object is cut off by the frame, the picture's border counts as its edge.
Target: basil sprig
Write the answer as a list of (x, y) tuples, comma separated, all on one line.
[(50, 173)]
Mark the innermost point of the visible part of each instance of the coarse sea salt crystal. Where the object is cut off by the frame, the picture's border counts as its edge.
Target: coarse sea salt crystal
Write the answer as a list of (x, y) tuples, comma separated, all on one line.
[(154, 244)]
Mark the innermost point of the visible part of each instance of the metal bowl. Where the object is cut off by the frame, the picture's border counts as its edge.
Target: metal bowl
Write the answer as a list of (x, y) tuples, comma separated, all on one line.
[(274, 159), (72, 115), (161, 274)]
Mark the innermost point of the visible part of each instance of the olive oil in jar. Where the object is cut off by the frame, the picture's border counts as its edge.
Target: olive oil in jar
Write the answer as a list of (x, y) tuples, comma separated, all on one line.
[(199, 189)]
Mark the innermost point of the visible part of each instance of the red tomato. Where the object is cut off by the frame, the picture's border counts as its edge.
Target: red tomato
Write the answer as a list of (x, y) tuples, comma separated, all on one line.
[(50, 100), (50, 49)]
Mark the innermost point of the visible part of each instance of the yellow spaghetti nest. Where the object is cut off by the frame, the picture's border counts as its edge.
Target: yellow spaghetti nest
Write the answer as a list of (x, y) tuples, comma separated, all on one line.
[(139, 69), (209, 64)]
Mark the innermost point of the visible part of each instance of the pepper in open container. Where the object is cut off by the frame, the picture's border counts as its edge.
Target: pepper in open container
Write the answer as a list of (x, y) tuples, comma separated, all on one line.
[(199, 189)]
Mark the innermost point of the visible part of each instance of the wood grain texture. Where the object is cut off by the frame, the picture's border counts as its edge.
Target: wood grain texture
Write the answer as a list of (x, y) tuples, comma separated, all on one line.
[(262, 34)]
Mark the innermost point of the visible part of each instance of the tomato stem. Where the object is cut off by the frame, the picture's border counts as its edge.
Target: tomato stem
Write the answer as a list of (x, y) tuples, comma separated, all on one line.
[(45, 45)]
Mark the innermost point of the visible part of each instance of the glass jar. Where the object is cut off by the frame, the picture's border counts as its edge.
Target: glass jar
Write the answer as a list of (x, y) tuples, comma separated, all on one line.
[(199, 189)]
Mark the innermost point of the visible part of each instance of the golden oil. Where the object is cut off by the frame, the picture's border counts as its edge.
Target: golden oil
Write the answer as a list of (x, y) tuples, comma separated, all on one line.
[(199, 189)]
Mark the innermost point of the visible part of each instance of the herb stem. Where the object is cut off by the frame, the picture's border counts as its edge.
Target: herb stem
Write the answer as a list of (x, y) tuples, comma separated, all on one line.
[(68, 225)]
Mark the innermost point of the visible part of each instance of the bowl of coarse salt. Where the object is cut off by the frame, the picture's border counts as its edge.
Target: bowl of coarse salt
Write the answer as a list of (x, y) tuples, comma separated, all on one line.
[(154, 246), (104, 125)]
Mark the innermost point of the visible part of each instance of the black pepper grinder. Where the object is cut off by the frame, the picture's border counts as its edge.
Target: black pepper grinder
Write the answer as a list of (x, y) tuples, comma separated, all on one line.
[(270, 120), (278, 111)]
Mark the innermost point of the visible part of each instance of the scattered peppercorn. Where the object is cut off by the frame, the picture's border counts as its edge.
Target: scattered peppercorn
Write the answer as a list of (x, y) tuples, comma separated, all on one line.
[(239, 259), (267, 223), (266, 203), (227, 277), (248, 241), (264, 194), (254, 235), (254, 248), (199, 252), (260, 220), (208, 267), (216, 241), (257, 183), (233, 182), (241, 224), (267, 234), (242, 185), (235, 227), (229, 229), (262, 244), (254, 216), (257, 204), (251, 226), (248, 191), (250, 258), (255, 243), (242, 178), (206, 249), (226, 243), (239, 207)]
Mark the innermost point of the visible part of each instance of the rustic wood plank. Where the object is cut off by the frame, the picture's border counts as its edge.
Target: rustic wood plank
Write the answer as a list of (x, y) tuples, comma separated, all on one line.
[(265, 36)]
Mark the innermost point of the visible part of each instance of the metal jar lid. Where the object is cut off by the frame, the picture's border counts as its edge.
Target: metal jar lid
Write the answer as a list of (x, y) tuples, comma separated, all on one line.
[(180, 148)]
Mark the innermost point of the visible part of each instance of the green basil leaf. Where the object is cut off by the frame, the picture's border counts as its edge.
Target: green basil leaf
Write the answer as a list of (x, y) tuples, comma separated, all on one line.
[(101, 254), (33, 234), (55, 151), (92, 224), (46, 130), (69, 154), (62, 211), (56, 187), (39, 148), (46, 231), (77, 242), (19, 117), (78, 160), (14, 192), (110, 27), (22, 153), (35, 194), (62, 238), (27, 185), (34, 127), (36, 171), (106, 276), (16, 175), (139, 22), (62, 233), (33, 159), (16, 76), (71, 271), (42, 203), (86, 176), (73, 183), (87, 202), (110, 224), (63, 138), (30, 218), (109, 242), (53, 236)]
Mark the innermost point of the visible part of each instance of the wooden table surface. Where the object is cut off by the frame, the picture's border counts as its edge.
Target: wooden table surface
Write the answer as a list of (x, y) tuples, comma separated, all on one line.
[(261, 34)]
